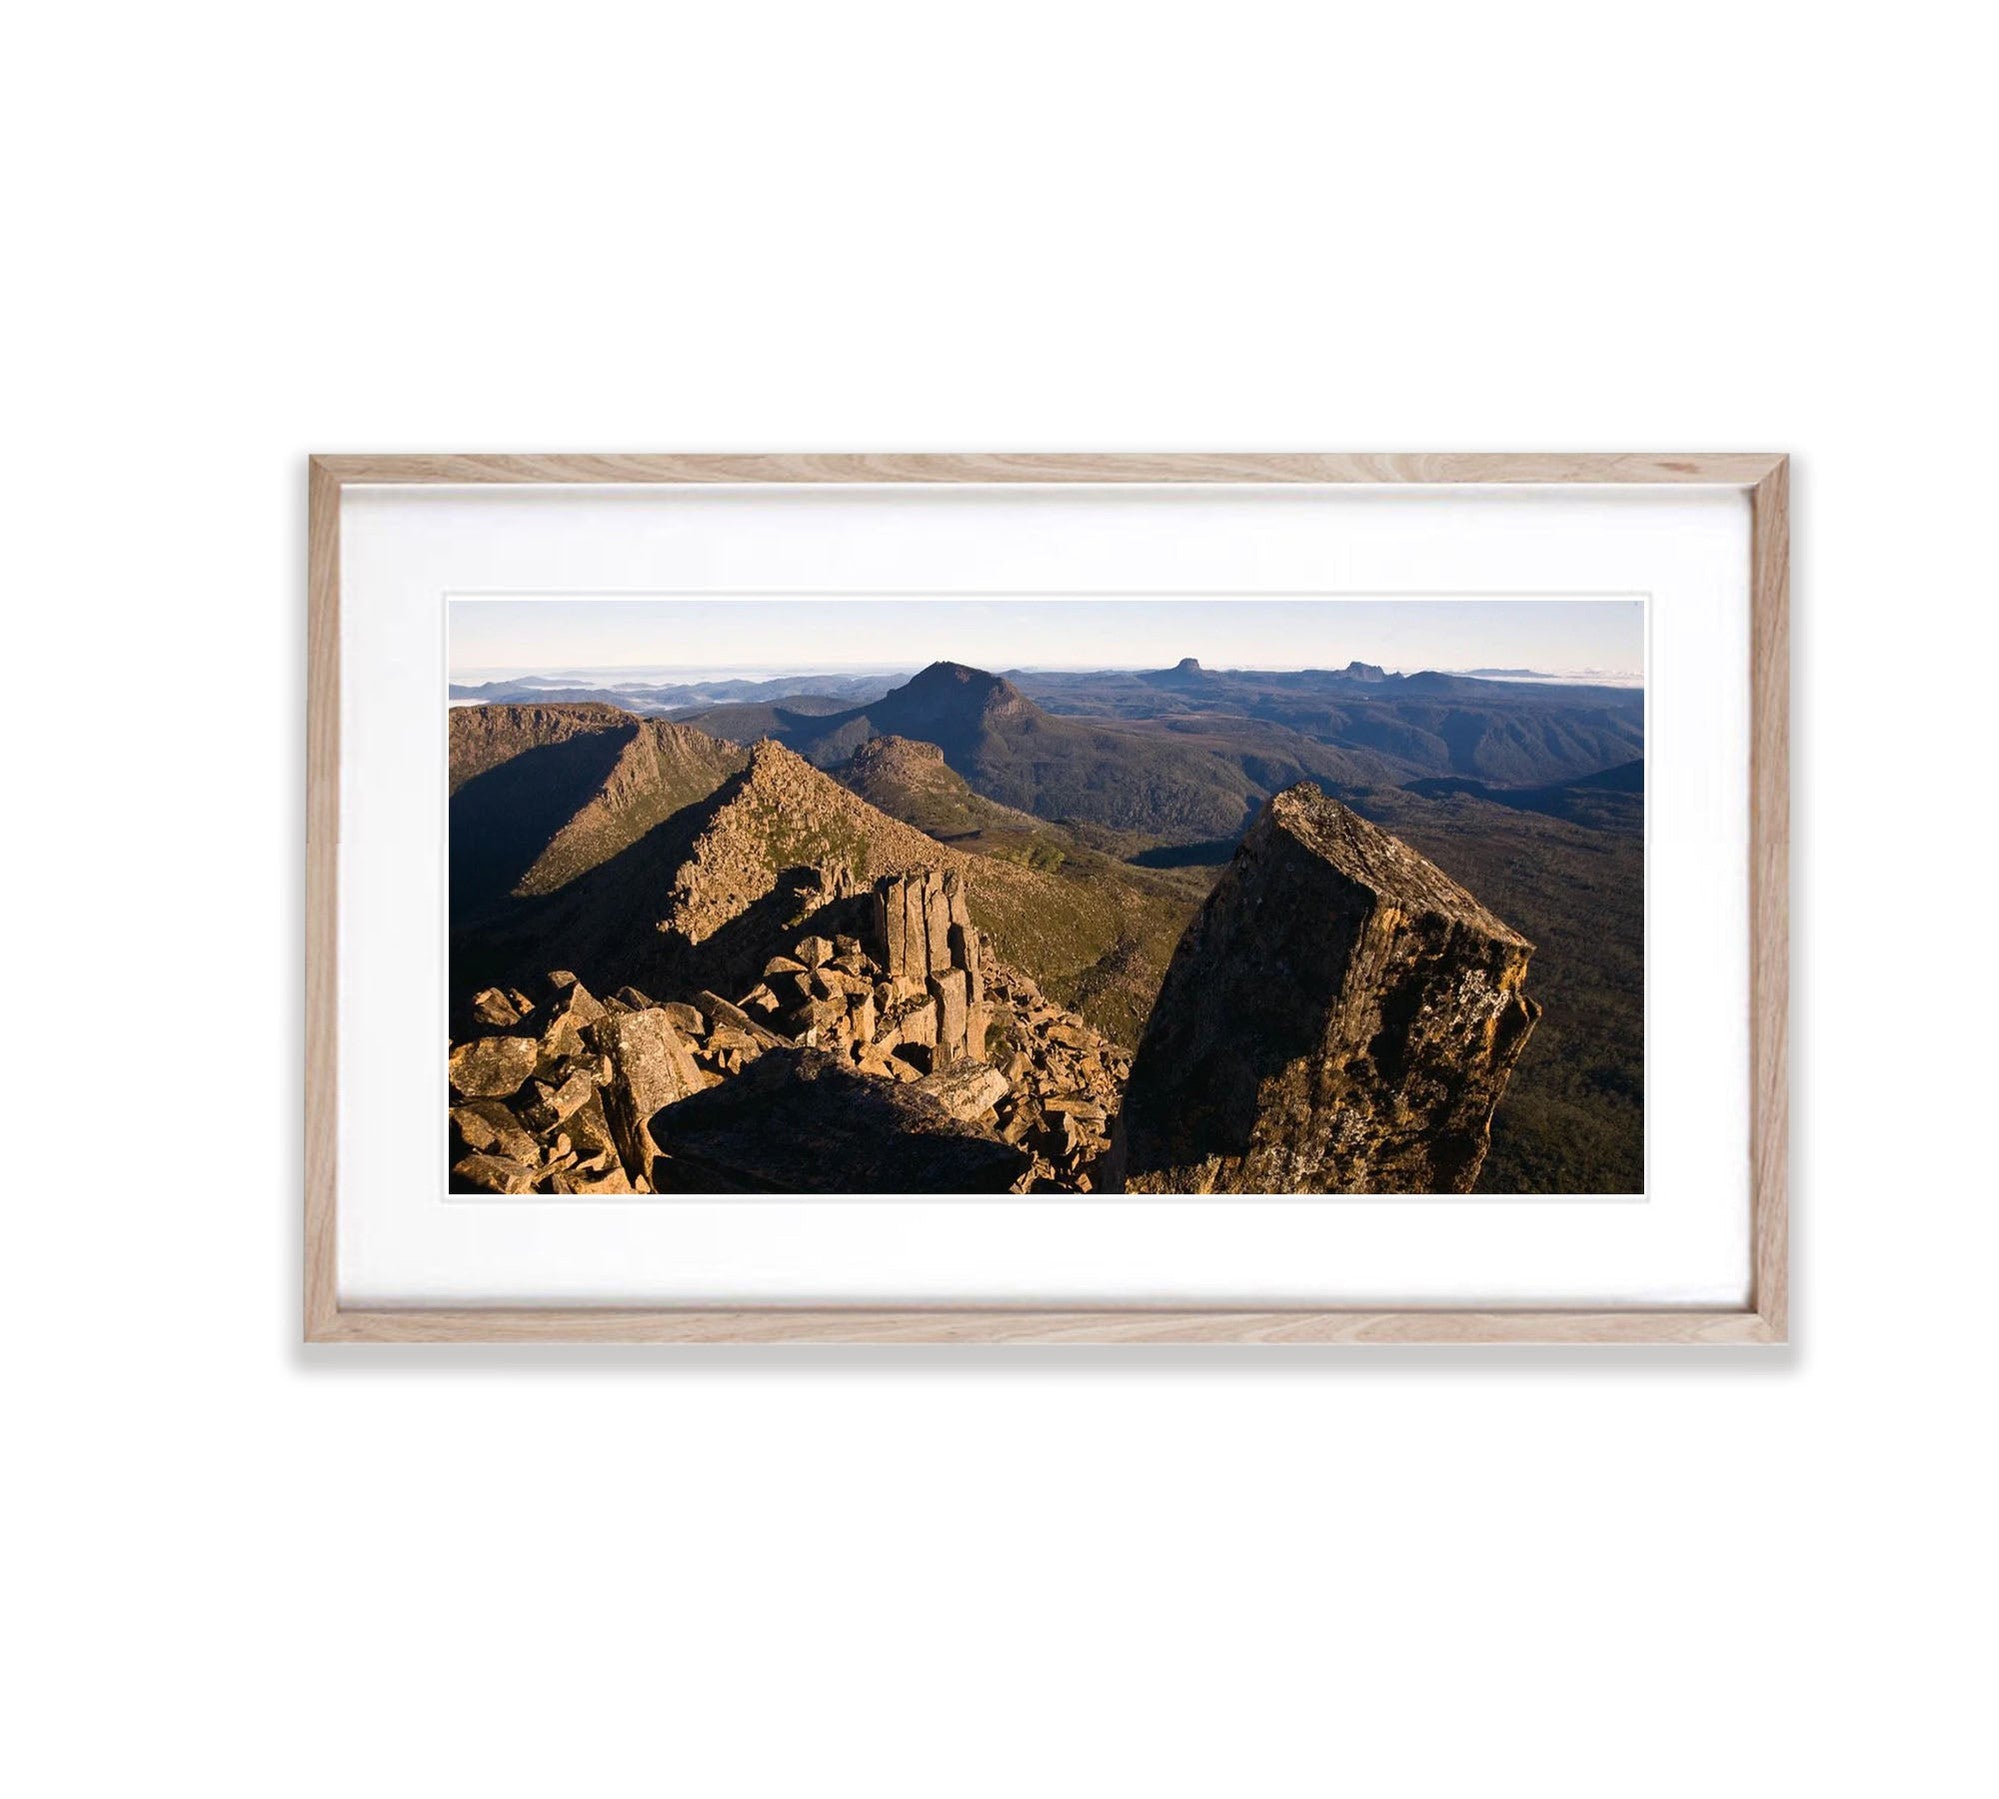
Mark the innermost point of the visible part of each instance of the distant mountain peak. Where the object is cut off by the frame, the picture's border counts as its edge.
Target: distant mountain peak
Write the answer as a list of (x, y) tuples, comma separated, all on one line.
[(951, 690), (1365, 671), (952, 674), (1187, 672)]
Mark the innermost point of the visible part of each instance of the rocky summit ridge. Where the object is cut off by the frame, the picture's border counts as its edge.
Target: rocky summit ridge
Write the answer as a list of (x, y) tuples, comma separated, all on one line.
[(1340, 1017), (782, 813), (883, 1050)]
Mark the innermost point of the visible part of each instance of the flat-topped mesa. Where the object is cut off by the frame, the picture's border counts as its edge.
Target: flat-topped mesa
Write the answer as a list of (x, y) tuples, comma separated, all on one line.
[(1341, 1017), (923, 937)]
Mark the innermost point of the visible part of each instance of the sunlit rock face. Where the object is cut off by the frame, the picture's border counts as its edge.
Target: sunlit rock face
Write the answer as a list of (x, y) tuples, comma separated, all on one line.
[(1341, 1017)]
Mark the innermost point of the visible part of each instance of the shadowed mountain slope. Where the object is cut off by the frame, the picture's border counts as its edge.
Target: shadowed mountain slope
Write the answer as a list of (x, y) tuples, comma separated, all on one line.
[(1611, 801), (543, 794), (691, 896)]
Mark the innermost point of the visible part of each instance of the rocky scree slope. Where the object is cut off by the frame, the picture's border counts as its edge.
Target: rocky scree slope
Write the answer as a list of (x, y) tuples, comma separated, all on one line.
[(883, 1051)]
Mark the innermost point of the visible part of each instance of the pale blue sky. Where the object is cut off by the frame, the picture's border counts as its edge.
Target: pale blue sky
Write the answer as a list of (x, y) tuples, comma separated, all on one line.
[(1553, 636)]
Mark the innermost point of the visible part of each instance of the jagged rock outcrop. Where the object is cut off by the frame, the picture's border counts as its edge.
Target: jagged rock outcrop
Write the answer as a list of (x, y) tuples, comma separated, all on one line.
[(922, 936), (651, 1067), (1341, 1017), (892, 983)]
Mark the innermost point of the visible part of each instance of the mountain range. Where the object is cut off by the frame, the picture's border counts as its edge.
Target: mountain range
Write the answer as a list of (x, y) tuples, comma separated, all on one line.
[(637, 850), (627, 849), (1186, 754)]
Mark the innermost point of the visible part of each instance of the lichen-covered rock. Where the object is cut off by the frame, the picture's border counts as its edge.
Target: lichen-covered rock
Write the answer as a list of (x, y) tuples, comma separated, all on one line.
[(486, 1124), (968, 1090), (492, 1007), (1341, 1017), (687, 1020), (493, 1067), (651, 1067), (493, 1174), (575, 998)]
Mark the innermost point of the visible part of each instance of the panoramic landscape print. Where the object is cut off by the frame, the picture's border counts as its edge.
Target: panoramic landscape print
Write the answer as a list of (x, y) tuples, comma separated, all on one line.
[(1054, 897)]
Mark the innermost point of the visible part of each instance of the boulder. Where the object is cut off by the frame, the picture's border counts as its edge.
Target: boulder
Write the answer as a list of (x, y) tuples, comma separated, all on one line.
[(589, 1131), (800, 1121), (717, 1011), (1084, 1111), (968, 1090), (917, 1024), (687, 1020), (818, 1017), (814, 951), (651, 1067), (724, 1039), (494, 1008), (487, 1124), (575, 998), (493, 1067), (561, 1040), (1341, 1017), (493, 1174), (554, 1104)]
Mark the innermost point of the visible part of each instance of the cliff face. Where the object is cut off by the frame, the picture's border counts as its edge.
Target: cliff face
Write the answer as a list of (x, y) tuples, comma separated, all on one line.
[(1341, 1017)]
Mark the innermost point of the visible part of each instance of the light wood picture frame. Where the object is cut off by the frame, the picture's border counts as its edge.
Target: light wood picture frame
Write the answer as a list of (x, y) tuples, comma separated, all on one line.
[(1764, 478)]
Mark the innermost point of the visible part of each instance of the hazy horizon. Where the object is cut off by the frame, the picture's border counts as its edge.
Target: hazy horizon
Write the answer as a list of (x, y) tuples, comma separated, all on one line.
[(757, 637)]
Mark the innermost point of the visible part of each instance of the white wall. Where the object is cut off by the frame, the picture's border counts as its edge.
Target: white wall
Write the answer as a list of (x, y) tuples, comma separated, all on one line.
[(247, 233)]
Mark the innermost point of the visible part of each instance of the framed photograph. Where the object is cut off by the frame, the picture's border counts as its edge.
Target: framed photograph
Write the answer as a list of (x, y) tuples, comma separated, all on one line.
[(1058, 899)]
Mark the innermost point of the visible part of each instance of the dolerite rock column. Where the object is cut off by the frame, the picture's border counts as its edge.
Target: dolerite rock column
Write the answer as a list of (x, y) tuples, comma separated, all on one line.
[(1341, 1017), (925, 942)]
